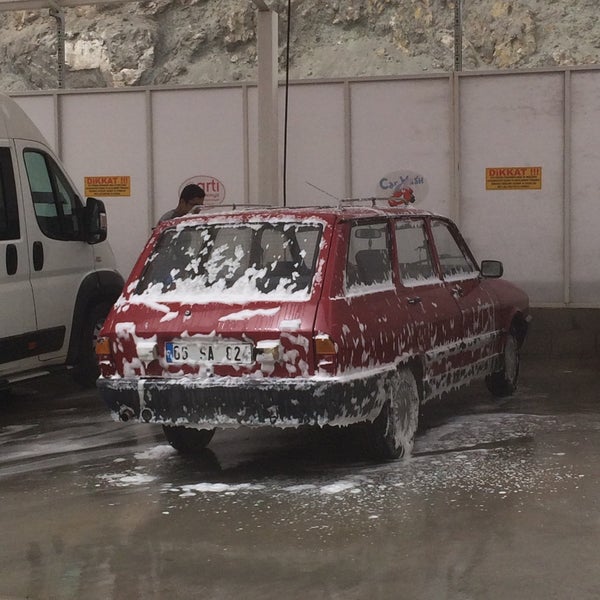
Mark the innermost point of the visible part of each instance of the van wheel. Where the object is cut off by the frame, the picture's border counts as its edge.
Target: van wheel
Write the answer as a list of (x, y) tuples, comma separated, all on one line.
[(86, 371), (392, 434), (187, 440), (504, 382)]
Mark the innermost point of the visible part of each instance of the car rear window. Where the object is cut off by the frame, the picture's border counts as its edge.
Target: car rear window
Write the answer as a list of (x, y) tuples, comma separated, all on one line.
[(233, 262)]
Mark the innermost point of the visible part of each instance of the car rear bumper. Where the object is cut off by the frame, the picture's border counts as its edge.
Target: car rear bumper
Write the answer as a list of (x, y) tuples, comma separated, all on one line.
[(230, 402)]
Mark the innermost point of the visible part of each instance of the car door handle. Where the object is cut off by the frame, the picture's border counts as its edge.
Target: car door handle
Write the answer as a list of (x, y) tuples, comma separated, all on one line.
[(12, 259), (414, 300), (457, 291), (38, 256)]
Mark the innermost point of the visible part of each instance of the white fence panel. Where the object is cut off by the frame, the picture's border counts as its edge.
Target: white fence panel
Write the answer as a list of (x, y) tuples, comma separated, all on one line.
[(106, 135), (514, 121), (344, 136), (585, 188), (198, 133), (403, 125), (316, 143)]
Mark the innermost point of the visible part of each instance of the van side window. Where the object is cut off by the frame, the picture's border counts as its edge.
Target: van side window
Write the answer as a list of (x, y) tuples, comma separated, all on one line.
[(56, 205), (414, 254), (368, 262), (9, 212), (454, 261)]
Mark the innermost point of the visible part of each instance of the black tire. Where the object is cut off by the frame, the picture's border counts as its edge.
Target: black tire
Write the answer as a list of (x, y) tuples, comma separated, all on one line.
[(504, 382), (392, 434), (86, 371), (187, 440)]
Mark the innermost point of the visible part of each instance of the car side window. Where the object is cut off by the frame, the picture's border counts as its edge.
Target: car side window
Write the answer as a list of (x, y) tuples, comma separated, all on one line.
[(414, 253), (368, 261), (9, 213), (454, 262), (56, 205)]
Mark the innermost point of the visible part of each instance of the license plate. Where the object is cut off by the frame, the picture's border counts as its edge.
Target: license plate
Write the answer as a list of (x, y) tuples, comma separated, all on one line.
[(222, 353)]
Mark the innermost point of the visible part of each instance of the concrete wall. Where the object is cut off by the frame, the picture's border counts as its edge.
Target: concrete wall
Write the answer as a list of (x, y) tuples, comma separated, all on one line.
[(344, 136), (563, 332)]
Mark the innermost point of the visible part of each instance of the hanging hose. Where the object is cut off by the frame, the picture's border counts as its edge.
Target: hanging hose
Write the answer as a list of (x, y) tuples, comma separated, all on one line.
[(287, 85)]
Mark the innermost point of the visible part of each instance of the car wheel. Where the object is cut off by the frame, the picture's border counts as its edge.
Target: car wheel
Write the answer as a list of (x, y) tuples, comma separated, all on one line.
[(187, 440), (86, 371), (504, 382), (392, 434)]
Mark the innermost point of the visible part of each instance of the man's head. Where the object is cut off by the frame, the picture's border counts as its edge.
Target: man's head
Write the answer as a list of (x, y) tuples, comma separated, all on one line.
[(191, 195)]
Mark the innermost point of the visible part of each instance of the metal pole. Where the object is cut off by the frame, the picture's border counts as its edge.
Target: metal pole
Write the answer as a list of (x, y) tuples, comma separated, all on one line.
[(59, 15), (458, 35), (268, 107)]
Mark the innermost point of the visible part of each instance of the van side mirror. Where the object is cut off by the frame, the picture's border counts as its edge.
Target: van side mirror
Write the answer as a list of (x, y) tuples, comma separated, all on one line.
[(94, 217), (492, 269)]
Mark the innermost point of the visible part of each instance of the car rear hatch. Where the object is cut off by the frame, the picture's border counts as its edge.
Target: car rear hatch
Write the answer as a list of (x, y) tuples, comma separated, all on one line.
[(225, 299)]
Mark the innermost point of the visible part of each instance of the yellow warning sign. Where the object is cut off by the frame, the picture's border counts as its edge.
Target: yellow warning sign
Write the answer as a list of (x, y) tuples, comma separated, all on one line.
[(513, 178), (106, 186)]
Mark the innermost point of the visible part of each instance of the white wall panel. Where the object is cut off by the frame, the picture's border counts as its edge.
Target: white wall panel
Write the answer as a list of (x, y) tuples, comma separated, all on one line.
[(344, 136), (399, 126), (105, 134), (585, 188), (315, 143), (511, 121), (197, 132), (315, 150)]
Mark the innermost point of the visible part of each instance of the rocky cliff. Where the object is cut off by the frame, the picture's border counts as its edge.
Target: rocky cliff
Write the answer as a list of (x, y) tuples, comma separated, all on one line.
[(209, 41)]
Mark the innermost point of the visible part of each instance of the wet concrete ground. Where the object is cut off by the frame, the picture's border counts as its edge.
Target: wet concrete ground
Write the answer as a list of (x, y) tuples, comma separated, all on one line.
[(499, 501)]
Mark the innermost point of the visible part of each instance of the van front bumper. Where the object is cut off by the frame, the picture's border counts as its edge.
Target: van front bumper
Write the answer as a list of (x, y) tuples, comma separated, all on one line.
[(231, 402)]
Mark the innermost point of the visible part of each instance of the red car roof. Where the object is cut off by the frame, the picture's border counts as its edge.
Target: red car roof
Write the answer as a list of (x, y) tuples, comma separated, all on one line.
[(346, 211)]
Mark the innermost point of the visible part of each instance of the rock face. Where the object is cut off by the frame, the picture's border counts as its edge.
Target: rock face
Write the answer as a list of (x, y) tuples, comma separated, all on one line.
[(210, 41)]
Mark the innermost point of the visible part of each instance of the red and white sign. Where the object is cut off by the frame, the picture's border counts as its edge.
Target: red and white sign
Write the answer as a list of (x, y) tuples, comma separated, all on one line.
[(213, 188), (403, 187)]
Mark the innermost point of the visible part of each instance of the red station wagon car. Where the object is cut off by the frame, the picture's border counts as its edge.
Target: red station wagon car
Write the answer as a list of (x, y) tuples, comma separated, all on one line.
[(306, 316)]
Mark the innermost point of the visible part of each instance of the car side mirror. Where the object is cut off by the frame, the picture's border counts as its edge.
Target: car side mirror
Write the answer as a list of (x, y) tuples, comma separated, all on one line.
[(94, 217), (492, 269)]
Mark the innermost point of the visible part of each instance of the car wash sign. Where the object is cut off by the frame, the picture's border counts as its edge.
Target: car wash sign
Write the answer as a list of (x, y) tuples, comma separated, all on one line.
[(513, 178), (213, 188), (402, 187)]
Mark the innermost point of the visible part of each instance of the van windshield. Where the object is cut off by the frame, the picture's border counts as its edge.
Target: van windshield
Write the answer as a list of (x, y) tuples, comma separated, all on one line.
[(232, 262)]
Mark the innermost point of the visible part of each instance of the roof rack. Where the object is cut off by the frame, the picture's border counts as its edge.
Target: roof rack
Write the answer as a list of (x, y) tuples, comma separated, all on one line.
[(201, 208), (368, 201), (373, 201)]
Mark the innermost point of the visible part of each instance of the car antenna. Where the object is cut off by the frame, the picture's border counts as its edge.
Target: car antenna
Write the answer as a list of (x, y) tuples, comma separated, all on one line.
[(322, 191)]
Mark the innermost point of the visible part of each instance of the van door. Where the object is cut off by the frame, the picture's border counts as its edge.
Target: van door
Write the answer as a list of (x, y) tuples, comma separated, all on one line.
[(59, 258), (18, 336)]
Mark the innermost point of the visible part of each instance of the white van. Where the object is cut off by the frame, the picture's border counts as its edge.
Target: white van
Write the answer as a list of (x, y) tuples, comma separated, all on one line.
[(57, 273)]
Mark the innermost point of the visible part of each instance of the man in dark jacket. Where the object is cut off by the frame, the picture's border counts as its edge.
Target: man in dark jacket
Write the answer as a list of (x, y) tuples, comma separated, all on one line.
[(191, 195)]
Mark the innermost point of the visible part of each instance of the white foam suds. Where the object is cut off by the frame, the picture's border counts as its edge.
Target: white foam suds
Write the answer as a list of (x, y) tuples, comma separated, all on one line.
[(156, 453)]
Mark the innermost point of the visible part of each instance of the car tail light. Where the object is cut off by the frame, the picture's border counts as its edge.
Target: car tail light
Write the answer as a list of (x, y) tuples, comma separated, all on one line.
[(325, 354), (268, 351), (105, 357)]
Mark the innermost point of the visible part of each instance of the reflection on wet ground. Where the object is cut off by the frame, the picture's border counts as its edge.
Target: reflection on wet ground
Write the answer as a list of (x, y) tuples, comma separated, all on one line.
[(500, 500)]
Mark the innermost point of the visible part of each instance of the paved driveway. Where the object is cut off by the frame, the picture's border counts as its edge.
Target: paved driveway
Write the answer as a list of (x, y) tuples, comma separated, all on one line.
[(499, 501)]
